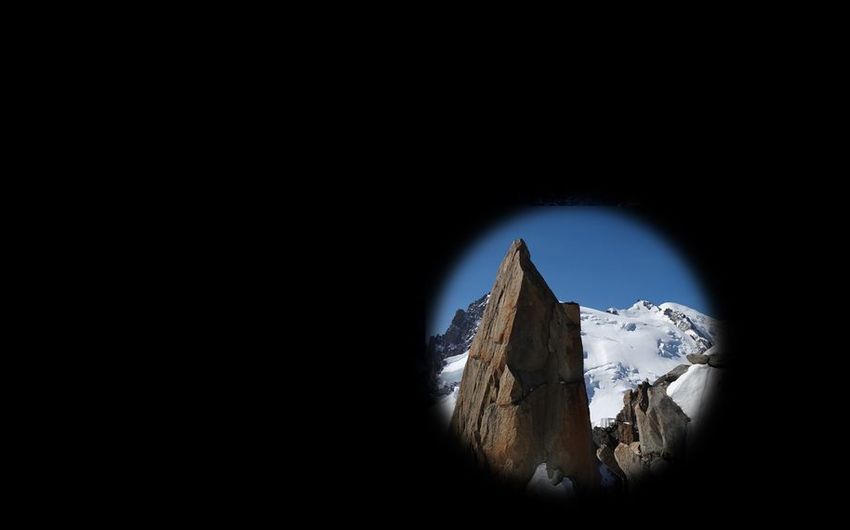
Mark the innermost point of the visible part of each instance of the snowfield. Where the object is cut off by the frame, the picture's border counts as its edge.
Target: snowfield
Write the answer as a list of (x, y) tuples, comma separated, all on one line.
[(623, 347), (691, 390), (451, 374)]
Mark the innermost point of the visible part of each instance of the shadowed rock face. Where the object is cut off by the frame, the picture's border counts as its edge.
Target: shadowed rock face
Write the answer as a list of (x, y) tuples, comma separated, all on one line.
[(663, 427), (522, 399), (652, 430), (629, 460)]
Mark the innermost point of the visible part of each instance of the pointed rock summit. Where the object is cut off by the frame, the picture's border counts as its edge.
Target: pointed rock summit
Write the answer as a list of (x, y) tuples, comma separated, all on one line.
[(522, 399)]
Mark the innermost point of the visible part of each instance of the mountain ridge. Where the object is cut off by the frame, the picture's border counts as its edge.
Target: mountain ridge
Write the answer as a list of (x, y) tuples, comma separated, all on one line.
[(621, 348)]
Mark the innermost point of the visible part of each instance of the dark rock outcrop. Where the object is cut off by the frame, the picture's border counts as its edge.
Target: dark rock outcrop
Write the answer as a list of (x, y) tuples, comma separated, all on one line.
[(662, 427), (684, 323), (602, 437), (605, 454), (651, 430), (456, 340), (671, 376), (697, 358), (629, 459), (458, 336), (626, 423), (522, 398)]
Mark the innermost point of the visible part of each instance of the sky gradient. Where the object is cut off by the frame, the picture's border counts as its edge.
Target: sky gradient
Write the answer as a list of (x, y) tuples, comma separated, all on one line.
[(596, 256)]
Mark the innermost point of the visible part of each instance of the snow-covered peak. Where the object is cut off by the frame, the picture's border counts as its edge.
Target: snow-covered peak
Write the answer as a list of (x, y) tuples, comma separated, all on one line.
[(703, 324), (643, 305), (682, 309), (622, 349)]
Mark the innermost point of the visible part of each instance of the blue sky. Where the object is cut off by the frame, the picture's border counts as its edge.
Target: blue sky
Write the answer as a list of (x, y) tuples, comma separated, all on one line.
[(599, 257)]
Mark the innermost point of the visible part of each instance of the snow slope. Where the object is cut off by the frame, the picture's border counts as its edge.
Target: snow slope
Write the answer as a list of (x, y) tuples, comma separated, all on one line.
[(706, 326), (690, 390), (636, 344), (450, 377), (622, 347)]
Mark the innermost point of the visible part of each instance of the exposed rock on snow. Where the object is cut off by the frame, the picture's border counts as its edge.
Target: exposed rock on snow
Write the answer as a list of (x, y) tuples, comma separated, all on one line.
[(672, 375), (696, 358), (637, 344), (717, 358), (453, 343), (652, 429)]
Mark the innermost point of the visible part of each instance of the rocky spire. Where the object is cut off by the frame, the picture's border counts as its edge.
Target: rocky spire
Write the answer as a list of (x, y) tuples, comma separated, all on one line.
[(522, 399)]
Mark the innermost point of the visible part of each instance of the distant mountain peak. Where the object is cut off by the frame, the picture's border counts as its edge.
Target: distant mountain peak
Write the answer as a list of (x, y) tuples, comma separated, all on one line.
[(458, 336), (644, 304)]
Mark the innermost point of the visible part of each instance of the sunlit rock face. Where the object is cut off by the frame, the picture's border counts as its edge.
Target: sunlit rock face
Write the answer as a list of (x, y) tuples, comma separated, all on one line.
[(522, 398)]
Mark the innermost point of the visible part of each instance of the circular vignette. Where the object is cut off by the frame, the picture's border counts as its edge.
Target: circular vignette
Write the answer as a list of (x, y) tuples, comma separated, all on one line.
[(587, 255)]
